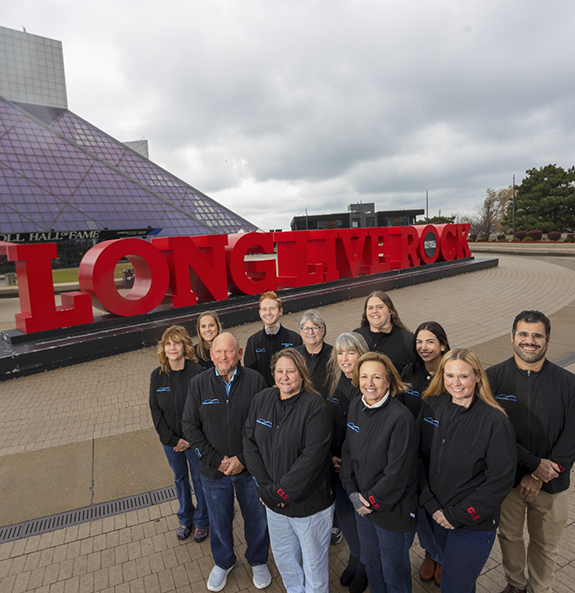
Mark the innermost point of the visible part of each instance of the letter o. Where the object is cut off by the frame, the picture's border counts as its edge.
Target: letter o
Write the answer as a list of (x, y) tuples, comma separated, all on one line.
[(152, 276)]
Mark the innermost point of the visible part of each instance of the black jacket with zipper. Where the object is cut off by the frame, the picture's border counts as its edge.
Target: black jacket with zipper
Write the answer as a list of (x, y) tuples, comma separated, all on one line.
[(168, 393), (379, 461), (396, 345), (466, 462), (261, 346), (213, 422), (287, 450), (541, 408), (338, 406)]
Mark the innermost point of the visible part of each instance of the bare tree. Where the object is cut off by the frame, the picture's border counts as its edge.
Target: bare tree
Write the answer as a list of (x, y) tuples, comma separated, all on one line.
[(491, 211)]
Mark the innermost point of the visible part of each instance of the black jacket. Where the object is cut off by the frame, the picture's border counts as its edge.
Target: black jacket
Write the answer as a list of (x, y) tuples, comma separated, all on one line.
[(260, 348), (168, 395), (467, 461), (317, 366), (379, 461), (205, 363), (396, 345), (213, 423), (418, 383), (338, 406), (541, 407), (286, 446)]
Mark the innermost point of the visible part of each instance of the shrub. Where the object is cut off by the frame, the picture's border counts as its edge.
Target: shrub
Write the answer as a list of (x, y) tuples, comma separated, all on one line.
[(535, 234), (472, 237), (554, 236), (528, 240), (521, 235), (570, 238), (501, 237), (516, 241)]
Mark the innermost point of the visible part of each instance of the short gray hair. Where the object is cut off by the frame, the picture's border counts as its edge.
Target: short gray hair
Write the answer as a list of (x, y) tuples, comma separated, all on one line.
[(314, 316)]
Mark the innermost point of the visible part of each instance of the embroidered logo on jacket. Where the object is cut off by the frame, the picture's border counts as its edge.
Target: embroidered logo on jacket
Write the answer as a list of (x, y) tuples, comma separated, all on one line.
[(282, 494), (374, 503), (353, 426), (258, 350), (208, 402), (413, 392), (432, 420), (163, 389), (505, 397), (334, 400), (287, 344), (473, 513), (264, 422)]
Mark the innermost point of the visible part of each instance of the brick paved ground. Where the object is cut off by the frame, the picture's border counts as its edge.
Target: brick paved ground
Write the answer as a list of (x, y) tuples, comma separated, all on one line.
[(83, 407)]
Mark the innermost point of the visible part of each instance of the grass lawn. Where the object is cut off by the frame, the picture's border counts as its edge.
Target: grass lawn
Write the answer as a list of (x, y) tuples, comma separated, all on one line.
[(71, 274)]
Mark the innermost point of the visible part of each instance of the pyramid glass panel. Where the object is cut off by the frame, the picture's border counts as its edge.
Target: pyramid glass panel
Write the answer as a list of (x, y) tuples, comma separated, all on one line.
[(63, 173)]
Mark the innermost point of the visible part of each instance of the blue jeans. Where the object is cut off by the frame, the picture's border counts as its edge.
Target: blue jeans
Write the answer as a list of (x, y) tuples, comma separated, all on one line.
[(346, 517), (301, 550), (425, 534), (220, 498), (465, 552), (386, 556), (187, 513)]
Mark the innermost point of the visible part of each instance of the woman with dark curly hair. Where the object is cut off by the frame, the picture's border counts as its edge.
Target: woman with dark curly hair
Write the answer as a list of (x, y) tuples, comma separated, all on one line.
[(168, 392), (429, 345)]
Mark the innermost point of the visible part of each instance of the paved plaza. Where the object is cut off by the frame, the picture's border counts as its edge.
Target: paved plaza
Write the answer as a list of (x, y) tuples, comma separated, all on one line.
[(83, 435)]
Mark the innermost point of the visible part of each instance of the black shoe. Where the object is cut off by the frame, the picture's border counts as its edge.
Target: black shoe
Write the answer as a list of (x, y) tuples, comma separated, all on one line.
[(349, 572), (359, 583), (336, 536)]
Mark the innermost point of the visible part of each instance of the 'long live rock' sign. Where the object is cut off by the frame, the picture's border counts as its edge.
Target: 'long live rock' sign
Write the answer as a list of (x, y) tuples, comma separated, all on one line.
[(177, 271)]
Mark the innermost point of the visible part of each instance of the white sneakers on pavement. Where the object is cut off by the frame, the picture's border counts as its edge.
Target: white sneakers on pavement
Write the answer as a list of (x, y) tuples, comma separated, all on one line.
[(218, 578), (262, 576)]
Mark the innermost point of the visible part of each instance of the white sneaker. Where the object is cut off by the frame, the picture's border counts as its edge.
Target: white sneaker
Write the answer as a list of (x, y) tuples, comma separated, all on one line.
[(218, 578), (262, 576)]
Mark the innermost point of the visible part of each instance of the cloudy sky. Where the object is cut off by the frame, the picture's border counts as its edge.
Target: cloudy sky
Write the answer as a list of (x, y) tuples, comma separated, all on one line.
[(273, 107)]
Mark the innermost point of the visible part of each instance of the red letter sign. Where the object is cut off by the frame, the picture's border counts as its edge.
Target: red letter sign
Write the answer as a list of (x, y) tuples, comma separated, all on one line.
[(36, 289), (197, 267), (96, 276), (252, 276)]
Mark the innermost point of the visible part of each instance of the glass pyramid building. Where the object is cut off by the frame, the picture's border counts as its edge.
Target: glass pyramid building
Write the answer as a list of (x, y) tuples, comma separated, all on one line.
[(60, 174)]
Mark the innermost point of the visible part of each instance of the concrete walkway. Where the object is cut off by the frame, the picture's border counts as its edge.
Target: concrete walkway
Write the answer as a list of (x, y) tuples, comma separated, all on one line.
[(81, 435)]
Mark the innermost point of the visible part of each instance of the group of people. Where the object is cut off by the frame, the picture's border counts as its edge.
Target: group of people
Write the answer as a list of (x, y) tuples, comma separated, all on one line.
[(383, 435)]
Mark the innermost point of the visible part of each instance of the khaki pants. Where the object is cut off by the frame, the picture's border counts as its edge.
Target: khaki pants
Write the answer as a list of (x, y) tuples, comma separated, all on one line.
[(546, 518)]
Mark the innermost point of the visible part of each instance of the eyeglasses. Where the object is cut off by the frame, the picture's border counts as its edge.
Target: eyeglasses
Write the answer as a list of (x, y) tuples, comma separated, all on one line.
[(307, 329), (525, 335)]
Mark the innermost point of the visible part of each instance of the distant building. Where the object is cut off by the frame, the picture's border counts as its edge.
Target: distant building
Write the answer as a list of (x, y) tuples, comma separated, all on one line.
[(357, 216), (64, 180)]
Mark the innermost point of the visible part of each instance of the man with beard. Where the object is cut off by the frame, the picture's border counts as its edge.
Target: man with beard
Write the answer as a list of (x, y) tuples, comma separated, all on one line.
[(539, 398)]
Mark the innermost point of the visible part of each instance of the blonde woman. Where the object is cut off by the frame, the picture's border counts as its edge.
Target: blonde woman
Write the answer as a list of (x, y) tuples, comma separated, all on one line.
[(466, 466), (208, 327)]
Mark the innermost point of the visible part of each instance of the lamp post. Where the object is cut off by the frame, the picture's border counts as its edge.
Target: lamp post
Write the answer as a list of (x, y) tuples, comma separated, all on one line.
[(513, 193)]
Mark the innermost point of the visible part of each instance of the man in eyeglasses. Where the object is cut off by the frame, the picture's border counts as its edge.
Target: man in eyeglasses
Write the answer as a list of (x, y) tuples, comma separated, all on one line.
[(539, 398)]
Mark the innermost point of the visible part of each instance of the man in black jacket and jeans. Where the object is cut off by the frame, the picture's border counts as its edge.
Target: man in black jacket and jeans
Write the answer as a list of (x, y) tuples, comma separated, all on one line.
[(213, 422), (539, 398)]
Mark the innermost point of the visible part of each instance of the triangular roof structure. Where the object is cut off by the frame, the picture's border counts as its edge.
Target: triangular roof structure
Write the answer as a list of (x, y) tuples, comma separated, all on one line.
[(59, 172)]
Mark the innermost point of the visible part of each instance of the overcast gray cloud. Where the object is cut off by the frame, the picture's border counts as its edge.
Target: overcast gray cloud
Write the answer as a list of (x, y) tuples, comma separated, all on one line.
[(273, 107)]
